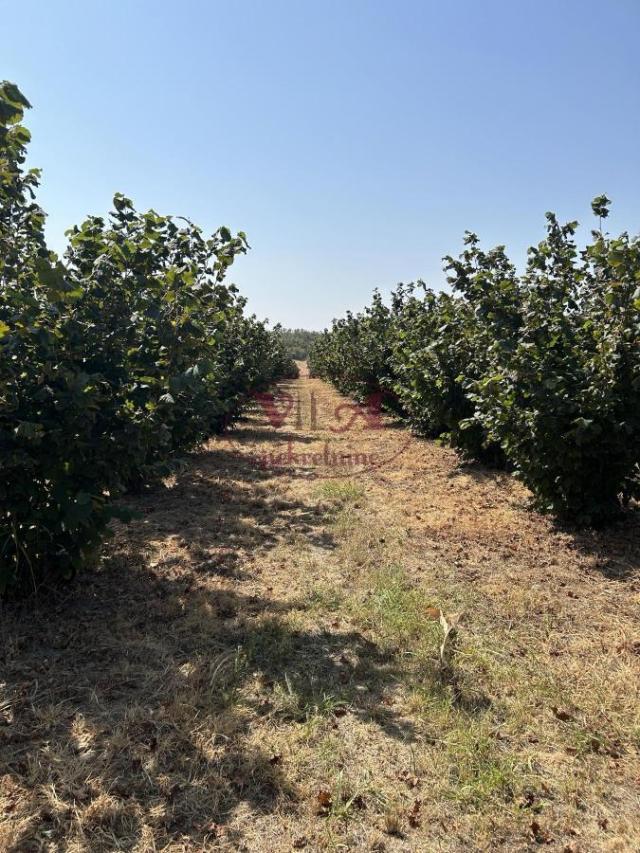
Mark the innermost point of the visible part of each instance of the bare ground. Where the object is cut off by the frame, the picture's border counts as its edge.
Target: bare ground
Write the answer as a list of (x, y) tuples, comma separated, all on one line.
[(254, 665)]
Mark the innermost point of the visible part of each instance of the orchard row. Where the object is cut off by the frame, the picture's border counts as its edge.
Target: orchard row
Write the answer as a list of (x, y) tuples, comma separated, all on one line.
[(538, 372), (128, 350)]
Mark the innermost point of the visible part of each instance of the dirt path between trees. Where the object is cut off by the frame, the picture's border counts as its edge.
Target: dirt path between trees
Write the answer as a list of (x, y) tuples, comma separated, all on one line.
[(255, 663)]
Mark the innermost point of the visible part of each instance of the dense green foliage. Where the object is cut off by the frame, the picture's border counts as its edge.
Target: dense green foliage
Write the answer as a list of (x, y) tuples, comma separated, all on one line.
[(355, 355), (298, 342), (539, 371), (129, 350)]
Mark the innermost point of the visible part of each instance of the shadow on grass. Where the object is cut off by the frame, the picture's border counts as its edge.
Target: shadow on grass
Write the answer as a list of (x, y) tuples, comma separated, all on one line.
[(278, 436), (128, 701), (613, 550)]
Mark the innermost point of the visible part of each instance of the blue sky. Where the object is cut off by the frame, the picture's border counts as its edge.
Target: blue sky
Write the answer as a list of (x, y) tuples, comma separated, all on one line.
[(353, 141)]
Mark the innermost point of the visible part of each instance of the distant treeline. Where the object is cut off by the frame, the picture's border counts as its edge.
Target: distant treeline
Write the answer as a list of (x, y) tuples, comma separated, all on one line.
[(298, 342)]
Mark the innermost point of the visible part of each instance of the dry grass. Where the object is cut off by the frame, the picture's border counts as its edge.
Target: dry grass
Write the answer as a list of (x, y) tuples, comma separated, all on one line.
[(255, 663)]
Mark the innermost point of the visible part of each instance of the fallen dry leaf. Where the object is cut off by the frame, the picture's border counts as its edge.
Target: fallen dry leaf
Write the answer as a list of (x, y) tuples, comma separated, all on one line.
[(562, 714), (449, 624), (215, 829), (409, 779), (539, 835), (324, 801), (413, 815)]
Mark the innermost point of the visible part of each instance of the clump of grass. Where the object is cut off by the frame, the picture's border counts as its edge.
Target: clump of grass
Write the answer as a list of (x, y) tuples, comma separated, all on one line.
[(325, 599), (341, 492), (479, 770), (346, 796), (270, 643), (393, 819), (302, 701), (399, 613)]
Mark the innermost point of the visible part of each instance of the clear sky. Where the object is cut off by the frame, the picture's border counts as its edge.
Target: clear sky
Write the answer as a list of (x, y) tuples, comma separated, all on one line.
[(353, 140)]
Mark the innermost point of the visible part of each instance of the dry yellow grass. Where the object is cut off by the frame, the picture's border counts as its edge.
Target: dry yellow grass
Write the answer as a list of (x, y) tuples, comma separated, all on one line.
[(255, 663)]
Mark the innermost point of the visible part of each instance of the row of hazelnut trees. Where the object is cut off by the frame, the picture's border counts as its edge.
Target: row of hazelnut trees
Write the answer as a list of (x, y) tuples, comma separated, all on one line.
[(538, 372), (126, 351)]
